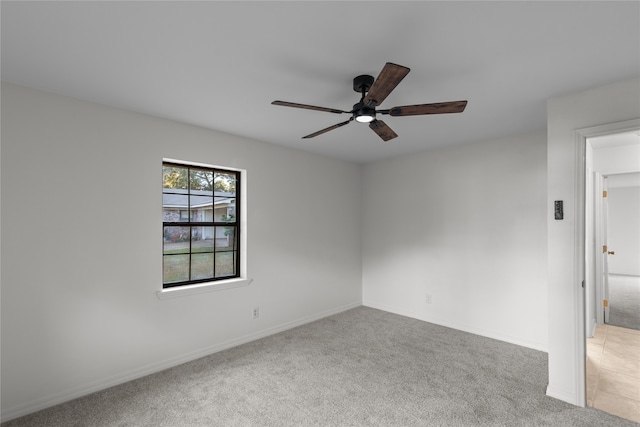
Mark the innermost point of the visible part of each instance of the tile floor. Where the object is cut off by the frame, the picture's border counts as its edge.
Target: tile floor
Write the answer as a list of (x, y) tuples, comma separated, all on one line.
[(613, 371)]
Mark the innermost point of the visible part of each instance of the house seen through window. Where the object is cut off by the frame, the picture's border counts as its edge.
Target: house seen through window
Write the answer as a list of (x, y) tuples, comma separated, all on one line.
[(200, 230)]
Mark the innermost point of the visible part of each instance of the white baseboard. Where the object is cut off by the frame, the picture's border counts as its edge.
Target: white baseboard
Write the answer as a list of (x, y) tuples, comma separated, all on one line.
[(562, 395), (591, 328), (92, 387), (459, 326)]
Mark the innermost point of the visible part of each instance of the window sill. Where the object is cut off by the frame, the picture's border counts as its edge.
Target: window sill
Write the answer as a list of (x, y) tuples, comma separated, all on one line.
[(182, 291)]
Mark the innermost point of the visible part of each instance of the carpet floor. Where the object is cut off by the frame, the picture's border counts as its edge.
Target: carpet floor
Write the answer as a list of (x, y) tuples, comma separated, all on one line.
[(624, 301), (363, 367)]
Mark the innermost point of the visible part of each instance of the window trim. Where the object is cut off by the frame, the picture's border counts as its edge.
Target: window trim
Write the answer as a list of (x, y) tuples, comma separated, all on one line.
[(199, 288), (218, 284)]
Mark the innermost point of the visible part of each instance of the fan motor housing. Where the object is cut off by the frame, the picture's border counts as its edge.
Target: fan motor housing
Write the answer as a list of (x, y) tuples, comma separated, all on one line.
[(362, 82), (363, 114)]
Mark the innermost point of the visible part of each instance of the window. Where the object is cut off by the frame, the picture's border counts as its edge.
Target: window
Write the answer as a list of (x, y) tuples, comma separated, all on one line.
[(200, 225)]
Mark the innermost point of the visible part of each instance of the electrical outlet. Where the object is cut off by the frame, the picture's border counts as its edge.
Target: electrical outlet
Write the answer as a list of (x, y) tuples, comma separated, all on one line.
[(256, 312), (427, 298)]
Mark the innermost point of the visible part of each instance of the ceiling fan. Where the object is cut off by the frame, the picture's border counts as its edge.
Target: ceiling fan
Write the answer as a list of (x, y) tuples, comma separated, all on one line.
[(373, 93)]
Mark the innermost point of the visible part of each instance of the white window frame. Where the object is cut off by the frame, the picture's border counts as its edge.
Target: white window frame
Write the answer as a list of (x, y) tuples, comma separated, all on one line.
[(217, 285)]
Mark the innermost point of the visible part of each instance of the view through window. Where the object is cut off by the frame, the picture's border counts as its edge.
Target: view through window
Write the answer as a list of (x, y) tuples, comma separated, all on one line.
[(201, 229)]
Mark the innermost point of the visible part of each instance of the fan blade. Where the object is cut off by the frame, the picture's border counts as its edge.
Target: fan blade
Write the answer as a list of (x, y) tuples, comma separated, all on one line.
[(320, 132), (383, 131), (436, 108), (308, 107), (387, 80)]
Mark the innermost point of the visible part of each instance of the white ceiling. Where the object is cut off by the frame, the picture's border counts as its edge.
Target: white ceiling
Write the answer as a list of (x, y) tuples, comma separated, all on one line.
[(220, 64)]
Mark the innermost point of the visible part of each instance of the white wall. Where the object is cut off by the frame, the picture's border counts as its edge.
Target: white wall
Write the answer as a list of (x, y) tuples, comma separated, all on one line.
[(624, 230), (565, 115), (467, 226), (82, 246), (617, 159)]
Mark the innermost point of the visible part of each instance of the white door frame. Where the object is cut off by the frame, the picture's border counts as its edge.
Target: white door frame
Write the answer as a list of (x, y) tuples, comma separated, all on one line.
[(601, 240), (581, 136)]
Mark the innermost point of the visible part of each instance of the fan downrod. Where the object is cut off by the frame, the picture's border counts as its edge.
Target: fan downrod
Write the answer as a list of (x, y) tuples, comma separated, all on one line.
[(362, 84)]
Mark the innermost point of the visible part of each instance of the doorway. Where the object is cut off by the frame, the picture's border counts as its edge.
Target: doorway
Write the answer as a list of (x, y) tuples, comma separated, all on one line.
[(612, 198), (612, 370), (624, 249)]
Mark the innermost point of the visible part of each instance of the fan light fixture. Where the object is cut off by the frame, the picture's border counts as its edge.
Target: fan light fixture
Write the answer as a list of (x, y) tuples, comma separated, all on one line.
[(365, 115)]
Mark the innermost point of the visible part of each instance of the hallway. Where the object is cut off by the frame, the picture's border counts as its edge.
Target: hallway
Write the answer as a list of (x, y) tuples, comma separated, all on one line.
[(613, 371)]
